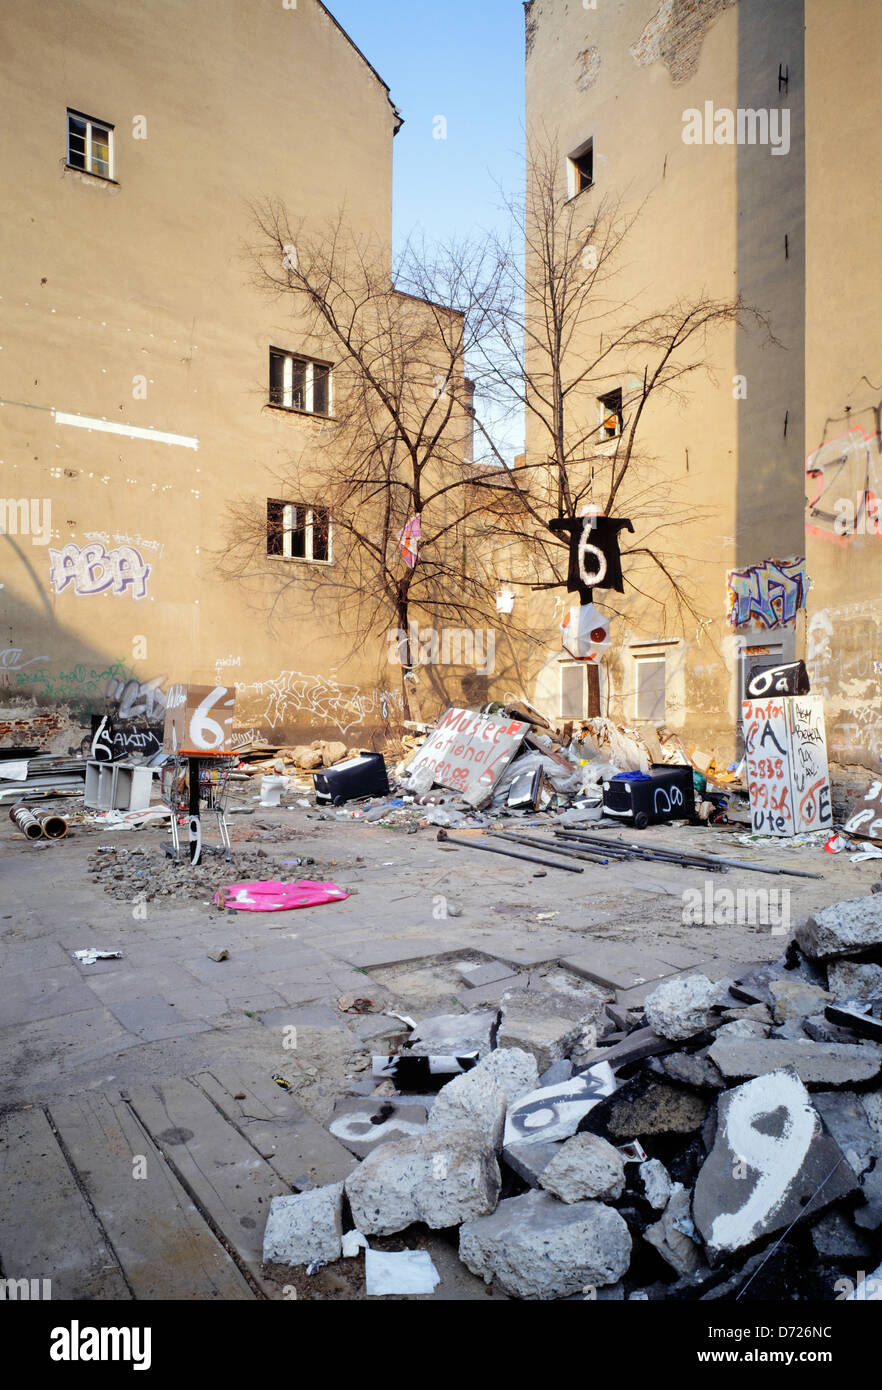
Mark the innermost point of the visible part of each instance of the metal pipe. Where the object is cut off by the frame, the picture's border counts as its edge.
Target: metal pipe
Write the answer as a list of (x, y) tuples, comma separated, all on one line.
[(54, 825), (696, 860), (629, 851), (570, 850), (495, 849), (26, 821)]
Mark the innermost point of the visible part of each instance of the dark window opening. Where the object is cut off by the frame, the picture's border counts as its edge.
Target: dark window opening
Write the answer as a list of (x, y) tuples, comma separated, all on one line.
[(612, 421), (582, 168)]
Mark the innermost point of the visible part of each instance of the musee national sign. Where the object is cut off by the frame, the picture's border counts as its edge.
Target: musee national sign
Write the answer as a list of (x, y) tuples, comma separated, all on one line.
[(468, 751)]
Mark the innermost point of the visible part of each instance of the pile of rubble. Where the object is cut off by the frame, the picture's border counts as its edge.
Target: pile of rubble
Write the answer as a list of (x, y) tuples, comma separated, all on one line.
[(146, 874), (723, 1140)]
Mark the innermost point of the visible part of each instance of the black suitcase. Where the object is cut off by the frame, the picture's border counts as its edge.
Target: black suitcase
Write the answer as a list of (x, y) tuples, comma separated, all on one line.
[(665, 793), (357, 777)]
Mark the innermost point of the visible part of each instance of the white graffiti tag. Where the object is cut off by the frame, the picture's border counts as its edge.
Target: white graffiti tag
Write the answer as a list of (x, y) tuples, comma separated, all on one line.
[(94, 570), (342, 705)]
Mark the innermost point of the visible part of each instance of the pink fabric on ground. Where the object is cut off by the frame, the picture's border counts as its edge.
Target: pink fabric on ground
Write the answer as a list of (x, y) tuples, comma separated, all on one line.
[(272, 896)]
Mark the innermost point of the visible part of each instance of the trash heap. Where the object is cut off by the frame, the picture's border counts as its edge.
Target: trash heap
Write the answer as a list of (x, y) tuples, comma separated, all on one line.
[(723, 1140)]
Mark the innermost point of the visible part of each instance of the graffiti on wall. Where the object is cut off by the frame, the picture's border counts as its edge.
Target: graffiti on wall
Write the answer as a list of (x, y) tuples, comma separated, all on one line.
[(131, 725), (844, 655), (767, 595), (292, 695), (843, 489), (93, 570)]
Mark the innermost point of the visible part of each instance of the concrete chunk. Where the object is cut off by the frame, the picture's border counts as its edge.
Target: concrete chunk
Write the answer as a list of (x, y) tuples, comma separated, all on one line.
[(816, 1064), (535, 1247), (305, 1228), (586, 1166), (477, 1101), (673, 1235), (554, 1112), (455, 1034), (529, 1161), (771, 1162), (440, 1179), (547, 1024), (657, 1185), (677, 1009), (796, 999), (846, 979), (843, 929)]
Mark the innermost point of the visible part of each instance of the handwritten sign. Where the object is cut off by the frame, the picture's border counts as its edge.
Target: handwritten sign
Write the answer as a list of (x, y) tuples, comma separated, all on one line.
[(199, 718), (808, 763), (787, 776), (865, 820), (468, 751)]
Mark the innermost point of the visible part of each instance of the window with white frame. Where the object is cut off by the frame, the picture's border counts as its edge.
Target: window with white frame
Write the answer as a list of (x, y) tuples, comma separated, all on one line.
[(89, 145), (298, 531), (299, 383)]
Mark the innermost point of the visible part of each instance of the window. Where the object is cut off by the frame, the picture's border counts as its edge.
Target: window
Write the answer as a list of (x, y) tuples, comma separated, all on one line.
[(297, 531), (581, 168), (89, 145), (649, 688), (611, 420), (298, 383), (579, 690)]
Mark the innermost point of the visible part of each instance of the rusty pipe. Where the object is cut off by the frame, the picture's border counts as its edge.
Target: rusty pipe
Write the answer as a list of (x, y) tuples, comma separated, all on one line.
[(26, 820), (54, 825)]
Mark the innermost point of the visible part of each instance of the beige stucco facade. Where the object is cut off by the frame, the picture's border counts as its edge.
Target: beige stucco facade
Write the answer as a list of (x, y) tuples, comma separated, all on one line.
[(128, 306), (789, 230)]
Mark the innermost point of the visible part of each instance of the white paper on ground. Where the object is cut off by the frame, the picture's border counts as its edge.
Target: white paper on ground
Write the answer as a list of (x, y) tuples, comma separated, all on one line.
[(410, 1271), (93, 953)]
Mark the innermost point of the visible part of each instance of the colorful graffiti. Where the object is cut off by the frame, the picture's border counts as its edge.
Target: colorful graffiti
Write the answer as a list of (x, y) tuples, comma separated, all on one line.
[(767, 595), (844, 488), (292, 695), (93, 570)]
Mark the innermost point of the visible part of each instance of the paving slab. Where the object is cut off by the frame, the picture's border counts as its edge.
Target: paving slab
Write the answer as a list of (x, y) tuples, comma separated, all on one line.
[(152, 1017), (617, 967), (362, 1125), (46, 1228), (165, 1248), (43, 994), (373, 954)]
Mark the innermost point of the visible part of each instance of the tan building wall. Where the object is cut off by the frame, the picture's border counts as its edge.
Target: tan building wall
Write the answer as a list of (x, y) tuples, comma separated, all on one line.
[(782, 231), (129, 301)]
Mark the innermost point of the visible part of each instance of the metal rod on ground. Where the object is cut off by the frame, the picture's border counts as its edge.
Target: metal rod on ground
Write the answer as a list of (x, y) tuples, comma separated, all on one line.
[(647, 852), (54, 825), (571, 850), (699, 861), (524, 858), (26, 821)]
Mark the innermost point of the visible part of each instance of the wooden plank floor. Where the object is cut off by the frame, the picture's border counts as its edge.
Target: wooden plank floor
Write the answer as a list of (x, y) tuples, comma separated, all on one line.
[(163, 1244), (47, 1230)]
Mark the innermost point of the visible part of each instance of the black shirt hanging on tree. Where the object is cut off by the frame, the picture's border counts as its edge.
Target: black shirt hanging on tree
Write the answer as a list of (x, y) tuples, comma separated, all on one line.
[(595, 561)]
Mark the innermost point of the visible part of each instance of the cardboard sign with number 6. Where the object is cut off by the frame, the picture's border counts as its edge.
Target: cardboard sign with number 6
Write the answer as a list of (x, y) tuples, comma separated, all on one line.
[(199, 719)]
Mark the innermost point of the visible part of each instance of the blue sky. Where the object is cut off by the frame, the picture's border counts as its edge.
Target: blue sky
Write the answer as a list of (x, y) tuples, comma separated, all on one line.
[(463, 60)]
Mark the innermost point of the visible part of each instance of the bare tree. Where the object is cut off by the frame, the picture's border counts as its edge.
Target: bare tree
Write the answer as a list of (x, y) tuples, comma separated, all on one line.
[(396, 443), (563, 334)]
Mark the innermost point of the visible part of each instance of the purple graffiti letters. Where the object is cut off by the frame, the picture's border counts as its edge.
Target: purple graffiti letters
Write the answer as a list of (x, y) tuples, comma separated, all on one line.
[(93, 570)]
